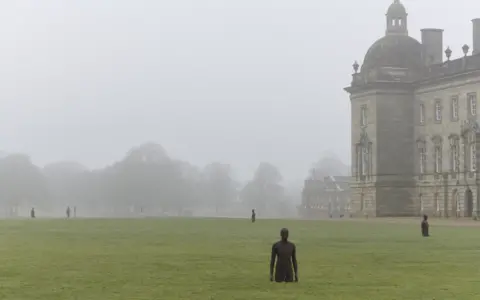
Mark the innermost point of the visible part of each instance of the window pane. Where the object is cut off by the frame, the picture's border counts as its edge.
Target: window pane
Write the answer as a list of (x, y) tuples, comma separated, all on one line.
[(422, 113), (438, 111), (473, 105), (455, 108), (473, 158)]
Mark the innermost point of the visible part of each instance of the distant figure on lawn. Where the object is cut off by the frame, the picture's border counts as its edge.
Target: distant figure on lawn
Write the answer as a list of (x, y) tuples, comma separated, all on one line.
[(32, 213), (425, 226), (284, 253), (68, 212), (253, 216)]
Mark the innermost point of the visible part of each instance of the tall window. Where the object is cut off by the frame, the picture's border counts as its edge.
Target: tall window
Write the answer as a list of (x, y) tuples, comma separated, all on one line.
[(438, 159), (438, 111), (423, 160), (473, 157), (455, 108), (455, 157), (472, 104), (422, 113), (363, 116), (364, 161)]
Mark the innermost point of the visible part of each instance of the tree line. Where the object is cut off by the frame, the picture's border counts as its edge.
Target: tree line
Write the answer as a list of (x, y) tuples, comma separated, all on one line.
[(146, 181)]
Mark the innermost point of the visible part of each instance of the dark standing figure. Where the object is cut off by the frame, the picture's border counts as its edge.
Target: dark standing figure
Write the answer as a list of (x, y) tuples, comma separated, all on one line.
[(285, 254), (253, 216), (68, 212), (32, 213), (425, 226)]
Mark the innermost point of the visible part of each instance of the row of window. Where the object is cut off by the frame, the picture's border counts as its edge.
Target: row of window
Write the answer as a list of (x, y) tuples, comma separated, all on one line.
[(470, 156), (454, 107), (436, 203), (438, 108), (397, 22)]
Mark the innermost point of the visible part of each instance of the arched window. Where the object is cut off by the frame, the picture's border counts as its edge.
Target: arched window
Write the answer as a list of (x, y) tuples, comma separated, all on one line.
[(455, 158), (454, 154)]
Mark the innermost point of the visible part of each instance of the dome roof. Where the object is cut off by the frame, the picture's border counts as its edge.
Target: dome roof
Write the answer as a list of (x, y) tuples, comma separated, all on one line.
[(400, 51), (397, 9)]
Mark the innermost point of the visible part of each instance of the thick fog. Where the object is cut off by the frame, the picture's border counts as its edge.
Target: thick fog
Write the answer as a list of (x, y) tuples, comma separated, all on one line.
[(238, 82)]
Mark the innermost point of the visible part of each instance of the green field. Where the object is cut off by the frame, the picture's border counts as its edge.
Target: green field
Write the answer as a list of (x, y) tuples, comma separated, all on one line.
[(228, 259)]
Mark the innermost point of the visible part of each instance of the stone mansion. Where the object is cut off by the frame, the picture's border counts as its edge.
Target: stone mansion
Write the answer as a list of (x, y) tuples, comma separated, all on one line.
[(414, 125)]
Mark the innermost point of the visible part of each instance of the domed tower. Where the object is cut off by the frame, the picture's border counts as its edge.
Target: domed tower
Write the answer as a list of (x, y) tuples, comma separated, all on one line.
[(397, 19), (383, 129), (396, 56)]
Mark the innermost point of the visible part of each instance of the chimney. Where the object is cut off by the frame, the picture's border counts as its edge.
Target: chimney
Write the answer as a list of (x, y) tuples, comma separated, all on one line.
[(476, 36), (432, 46)]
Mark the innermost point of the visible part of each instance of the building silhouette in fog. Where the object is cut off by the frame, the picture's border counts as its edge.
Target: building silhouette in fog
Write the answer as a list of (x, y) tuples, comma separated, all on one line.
[(414, 124), (325, 197)]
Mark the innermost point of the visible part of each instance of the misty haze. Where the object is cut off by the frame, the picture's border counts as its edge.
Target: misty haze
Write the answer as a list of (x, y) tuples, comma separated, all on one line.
[(197, 149)]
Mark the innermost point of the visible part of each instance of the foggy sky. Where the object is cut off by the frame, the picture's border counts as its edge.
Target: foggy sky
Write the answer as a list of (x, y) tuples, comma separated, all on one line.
[(210, 80)]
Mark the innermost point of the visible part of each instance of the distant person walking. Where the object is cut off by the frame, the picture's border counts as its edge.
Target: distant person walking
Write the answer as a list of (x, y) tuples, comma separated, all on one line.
[(425, 226), (253, 216), (68, 212), (32, 213)]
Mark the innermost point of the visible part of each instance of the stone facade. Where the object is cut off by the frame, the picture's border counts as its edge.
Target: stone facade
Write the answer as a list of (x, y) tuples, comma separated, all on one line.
[(329, 197), (414, 125)]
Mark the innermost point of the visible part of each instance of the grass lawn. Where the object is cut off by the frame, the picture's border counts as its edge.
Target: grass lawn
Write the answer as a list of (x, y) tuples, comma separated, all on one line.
[(228, 259)]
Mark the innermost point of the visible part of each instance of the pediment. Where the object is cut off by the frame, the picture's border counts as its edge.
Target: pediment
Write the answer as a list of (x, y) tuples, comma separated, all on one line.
[(470, 125), (437, 139)]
